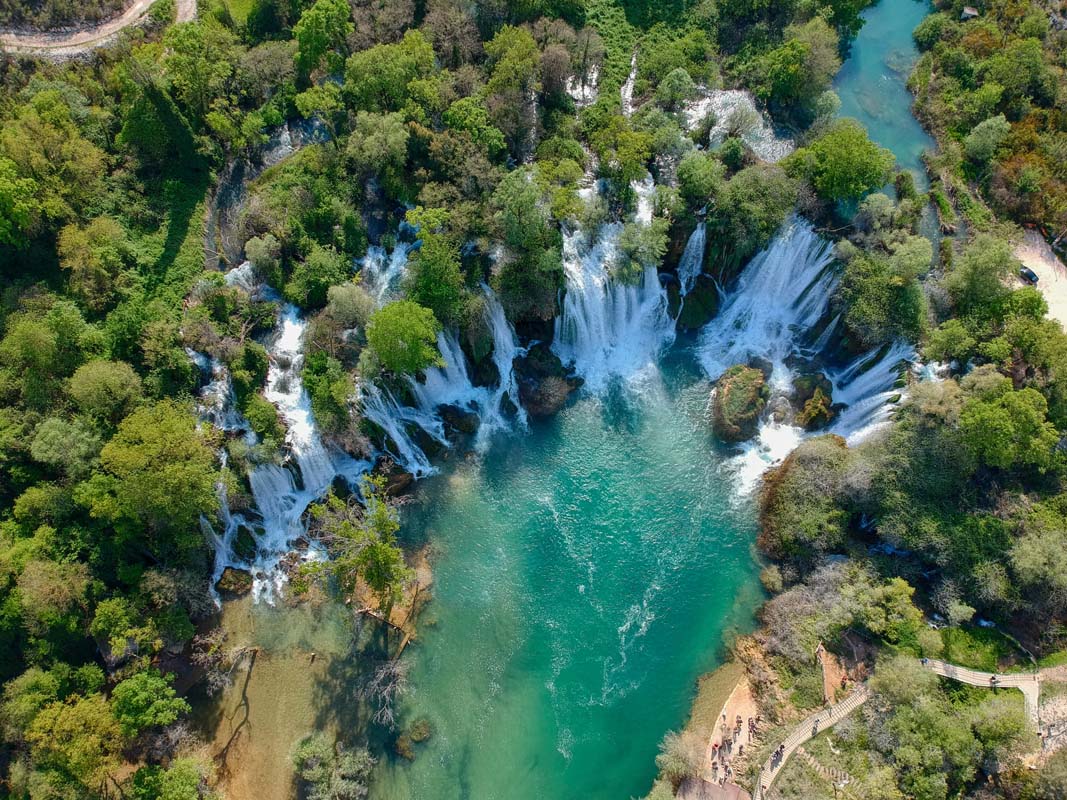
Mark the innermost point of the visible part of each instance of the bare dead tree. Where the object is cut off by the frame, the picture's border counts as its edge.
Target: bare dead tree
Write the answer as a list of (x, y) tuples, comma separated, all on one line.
[(386, 685)]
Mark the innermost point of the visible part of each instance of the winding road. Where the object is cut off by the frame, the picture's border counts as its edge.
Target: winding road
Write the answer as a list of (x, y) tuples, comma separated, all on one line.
[(71, 44)]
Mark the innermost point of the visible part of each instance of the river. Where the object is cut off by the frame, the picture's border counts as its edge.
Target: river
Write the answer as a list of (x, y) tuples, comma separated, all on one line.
[(872, 83), (590, 567), (587, 572)]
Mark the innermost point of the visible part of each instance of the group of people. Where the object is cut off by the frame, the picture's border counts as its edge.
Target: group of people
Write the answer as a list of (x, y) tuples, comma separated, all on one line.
[(723, 751)]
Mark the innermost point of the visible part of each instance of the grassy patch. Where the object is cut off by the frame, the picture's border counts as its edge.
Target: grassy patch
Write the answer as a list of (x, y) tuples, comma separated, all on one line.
[(239, 10), (976, 648), (1057, 659), (713, 690)]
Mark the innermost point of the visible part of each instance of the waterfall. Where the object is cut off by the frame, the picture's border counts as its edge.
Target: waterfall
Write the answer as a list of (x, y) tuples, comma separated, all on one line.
[(736, 113), (626, 93), (608, 329), (450, 385), (505, 350), (381, 408), (866, 386), (583, 89), (382, 272), (285, 389), (776, 306), (782, 292), (692, 261)]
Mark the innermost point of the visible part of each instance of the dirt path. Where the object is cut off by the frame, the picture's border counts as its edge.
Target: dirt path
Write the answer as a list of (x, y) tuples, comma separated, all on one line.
[(72, 44), (1036, 254)]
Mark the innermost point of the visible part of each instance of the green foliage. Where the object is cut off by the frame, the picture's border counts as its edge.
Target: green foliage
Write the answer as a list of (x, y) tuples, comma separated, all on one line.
[(160, 477), (322, 29), (700, 178), (311, 279), (753, 206), (842, 163), (146, 700), (982, 142), (403, 335), (330, 772), (882, 295), (18, 204), (183, 779), (78, 740), (435, 280), (363, 545), (377, 79), (330, 388), (1008, 429), (379, 146)]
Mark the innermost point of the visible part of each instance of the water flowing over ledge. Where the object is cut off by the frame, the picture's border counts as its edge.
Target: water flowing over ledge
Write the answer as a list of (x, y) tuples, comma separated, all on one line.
[(736, 114), (773, 315)]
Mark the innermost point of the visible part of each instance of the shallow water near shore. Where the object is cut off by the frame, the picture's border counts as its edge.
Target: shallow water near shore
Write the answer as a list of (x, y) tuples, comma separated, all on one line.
[(586, 574), (872, 83)]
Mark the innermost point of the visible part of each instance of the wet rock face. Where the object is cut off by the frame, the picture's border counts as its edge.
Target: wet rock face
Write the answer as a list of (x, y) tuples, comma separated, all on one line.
[(397, 481), (739, 399), (699, 306), (234, 582), (813, 396), (460, 420), (244, 545), (544, 384)]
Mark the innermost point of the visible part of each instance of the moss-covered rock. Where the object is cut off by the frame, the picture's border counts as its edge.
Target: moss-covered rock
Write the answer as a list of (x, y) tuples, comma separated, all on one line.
[(739, 399), (544, 384), (234, 582), (813, 398), (802, 514), (700, 305), (244, 544)]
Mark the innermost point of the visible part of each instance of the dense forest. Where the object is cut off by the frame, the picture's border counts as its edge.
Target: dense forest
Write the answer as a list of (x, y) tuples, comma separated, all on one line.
[(473, 128)]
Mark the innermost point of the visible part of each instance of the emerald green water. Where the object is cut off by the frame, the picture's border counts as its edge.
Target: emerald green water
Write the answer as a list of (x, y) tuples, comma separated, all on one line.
[(872, 83), (586, 573)]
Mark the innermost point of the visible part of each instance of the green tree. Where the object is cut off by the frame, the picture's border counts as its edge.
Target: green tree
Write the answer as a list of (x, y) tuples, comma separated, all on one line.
[(79, 739), (379, 146), (675, 89), (95, 256), (322, 28), (18, 204), (982, 142), (700, 177), (403, 335), (435, 279), (160, 474), (470, 114), (105, 390), (362, 544), (69, 446), (1008, 429), (311, 280), (843, 163), (146, 700), (377, 79)]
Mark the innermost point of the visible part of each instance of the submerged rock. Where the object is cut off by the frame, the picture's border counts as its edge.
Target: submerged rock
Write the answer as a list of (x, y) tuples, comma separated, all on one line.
[(235, 582), (461, 420), (739, 399), (544, 384)]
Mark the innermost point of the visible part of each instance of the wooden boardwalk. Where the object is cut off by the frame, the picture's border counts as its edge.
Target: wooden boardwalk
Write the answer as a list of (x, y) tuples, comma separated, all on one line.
[(1029, 683), (811, 726)]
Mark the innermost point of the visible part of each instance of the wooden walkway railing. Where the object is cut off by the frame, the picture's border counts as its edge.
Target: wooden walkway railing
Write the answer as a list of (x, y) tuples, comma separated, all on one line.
[(1028, 683)]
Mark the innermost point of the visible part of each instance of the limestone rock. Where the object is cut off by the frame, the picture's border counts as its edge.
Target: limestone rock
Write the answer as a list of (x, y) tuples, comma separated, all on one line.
[(739, 399), (235, 582)]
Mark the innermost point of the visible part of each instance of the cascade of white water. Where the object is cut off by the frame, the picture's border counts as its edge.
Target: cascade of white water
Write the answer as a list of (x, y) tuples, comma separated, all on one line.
[(865, 386), (608, 329), (735, 113), (381, 408), (285, 389), (584, 90), (505, 350), (626, 93), (382, 271), (779, 299), (692, 261), (784, 290)]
